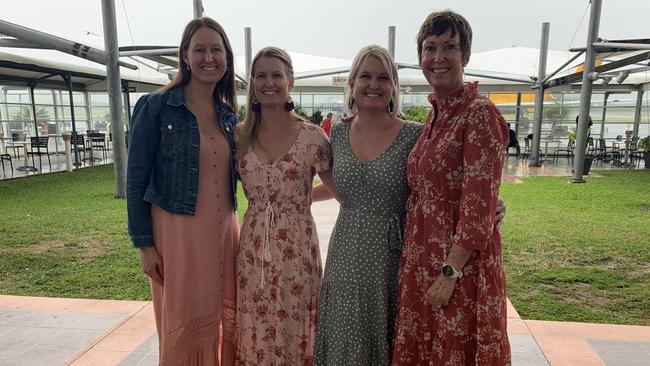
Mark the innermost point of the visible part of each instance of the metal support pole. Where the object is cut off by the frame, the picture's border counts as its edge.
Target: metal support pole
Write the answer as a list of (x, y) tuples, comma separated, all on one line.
[(68, 82), (198, 8), (585, 96), (127, 99), (51, 42), (637, 112), (32, 86), (391, 41), (114, 96), (539, 96), (249, 52), (602, 123), (517, 113)]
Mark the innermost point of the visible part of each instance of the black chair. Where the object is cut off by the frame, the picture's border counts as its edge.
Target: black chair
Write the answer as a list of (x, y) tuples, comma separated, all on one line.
[(81, 145), (528, 149), (6, 157), (18, 139), (568, 150), (635, 154), (526, 154), (39, 147), (98, 142)]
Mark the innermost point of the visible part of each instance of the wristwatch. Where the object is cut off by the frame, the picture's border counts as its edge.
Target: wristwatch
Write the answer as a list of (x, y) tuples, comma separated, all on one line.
[(448, 271)]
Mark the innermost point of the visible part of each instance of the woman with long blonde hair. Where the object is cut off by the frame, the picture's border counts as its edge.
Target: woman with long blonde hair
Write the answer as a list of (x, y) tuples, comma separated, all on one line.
[(278, 265), (358, 299)]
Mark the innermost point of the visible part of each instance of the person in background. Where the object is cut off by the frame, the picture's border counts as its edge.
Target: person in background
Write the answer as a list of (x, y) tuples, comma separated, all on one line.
[(327, 124), (513, 141), (452, 299), (278, 265), (181, 199)]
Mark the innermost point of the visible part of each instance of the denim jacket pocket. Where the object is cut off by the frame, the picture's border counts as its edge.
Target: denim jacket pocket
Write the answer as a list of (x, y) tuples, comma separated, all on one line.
[(172, 135)]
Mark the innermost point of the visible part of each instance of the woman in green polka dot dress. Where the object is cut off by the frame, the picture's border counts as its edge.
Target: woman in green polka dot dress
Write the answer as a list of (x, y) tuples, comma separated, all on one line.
[(358, 298)]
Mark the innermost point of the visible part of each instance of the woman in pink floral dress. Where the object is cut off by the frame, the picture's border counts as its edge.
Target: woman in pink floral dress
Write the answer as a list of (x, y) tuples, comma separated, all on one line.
[(278, 265), (452, 301)]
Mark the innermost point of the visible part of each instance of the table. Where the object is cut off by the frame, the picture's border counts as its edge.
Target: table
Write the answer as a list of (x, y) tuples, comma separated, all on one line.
[(94, 138), (626, 160), (546, 141), (56, 145), (26, 167)]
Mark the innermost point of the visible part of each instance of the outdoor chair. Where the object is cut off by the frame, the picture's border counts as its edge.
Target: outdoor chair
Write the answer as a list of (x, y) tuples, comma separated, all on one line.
[(6, 157), (526, 153), (635, 154), (528, 148), (568, 150), (17, 142), (39, 147), (591, 149), (605, 154), (98, 142), (81, 144)]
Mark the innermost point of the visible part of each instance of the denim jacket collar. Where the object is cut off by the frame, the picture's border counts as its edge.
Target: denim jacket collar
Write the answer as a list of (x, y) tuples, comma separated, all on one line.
[(177, 98)]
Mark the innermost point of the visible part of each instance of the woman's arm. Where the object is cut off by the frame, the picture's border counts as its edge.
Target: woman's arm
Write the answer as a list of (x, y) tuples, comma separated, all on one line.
[(144, 138), (325, 190), (484, 146), (320, 193)]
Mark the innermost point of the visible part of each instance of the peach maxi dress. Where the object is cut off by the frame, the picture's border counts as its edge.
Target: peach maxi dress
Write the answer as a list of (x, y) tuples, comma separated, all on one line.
[(198, 257)]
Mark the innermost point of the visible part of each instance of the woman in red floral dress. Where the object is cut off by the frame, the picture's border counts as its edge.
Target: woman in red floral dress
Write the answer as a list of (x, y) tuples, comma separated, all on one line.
[(278, 265), (452, 300)]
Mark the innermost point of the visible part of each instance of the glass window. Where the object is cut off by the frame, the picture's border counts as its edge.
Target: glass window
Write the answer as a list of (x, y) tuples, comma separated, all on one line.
[(78, 98)]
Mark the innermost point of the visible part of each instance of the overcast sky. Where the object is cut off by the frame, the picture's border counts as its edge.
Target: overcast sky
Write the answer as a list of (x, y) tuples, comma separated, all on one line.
[(336, 28)]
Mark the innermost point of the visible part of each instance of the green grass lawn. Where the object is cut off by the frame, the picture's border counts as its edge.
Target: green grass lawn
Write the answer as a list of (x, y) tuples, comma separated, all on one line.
[(64, 235), (579, 252), (572, 252)]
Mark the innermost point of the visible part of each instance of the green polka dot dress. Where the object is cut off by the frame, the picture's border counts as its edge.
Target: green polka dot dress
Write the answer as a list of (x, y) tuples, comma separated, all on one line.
[(358, 298)]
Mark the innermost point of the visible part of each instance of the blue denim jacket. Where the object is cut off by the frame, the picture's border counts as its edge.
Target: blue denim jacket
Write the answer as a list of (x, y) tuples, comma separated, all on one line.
[(163, 160)]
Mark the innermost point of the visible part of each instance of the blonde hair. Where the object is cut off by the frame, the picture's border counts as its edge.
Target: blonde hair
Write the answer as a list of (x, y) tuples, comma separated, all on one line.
[(385, 58), (225, 89), (248, 128)]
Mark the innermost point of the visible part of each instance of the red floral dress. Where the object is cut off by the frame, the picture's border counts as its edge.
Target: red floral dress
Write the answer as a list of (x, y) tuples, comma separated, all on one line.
[(279, 266), (454, 173)]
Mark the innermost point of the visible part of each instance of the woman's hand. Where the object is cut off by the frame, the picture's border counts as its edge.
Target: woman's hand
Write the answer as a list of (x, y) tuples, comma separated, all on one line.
[(500, 213), (152, 264), (440, 292)]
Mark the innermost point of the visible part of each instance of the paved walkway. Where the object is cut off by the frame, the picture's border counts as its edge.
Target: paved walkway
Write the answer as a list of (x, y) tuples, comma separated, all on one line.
[(48, 331)]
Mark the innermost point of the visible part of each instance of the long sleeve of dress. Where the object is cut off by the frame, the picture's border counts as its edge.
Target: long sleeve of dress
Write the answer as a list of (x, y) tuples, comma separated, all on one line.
[(484, 144)]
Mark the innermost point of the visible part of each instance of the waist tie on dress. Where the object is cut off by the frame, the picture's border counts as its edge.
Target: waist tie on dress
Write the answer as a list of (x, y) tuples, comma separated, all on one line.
[(269, 221), (395, 229)]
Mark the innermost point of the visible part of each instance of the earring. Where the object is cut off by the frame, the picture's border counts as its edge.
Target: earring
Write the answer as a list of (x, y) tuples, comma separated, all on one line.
[(391, 106), (350, 103), (255, 106), (187, 67), (288, 105)]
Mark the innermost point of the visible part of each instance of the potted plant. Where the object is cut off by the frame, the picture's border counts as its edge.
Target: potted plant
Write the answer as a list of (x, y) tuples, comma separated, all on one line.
[(644, 146)]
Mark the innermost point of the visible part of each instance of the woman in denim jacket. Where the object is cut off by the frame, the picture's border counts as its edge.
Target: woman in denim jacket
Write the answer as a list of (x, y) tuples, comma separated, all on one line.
[(181, 199)]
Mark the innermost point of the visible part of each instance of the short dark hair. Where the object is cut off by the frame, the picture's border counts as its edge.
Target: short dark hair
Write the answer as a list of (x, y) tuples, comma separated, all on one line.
[(439, 23)]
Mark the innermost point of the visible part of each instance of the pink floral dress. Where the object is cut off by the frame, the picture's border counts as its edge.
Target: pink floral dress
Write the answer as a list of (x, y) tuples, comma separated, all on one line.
[(454, 173), (279, 266)]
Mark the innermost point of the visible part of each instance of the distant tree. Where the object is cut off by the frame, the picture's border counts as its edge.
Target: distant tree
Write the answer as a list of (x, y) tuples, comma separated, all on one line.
[(316, 117), (416, 114), (241, 112), (554, 112), (301, 112)]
